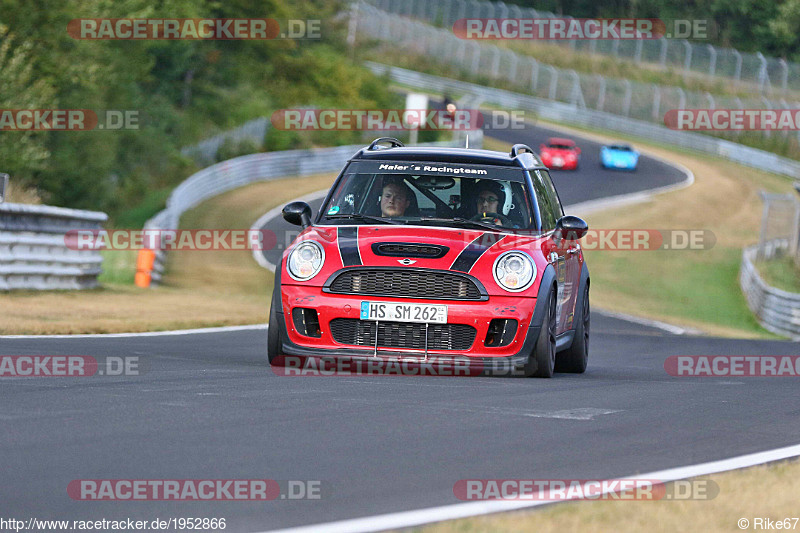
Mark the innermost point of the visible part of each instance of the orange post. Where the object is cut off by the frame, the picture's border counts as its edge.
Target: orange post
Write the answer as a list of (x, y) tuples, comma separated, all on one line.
[(144, 267), (142, 279)]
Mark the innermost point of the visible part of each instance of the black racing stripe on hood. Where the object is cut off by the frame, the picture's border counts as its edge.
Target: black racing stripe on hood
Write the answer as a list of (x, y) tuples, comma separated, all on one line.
[(348, 245), (474, 250)]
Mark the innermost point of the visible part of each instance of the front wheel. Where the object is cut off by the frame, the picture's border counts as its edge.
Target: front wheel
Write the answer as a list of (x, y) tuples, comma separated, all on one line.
[(544, 353), (576, 357), (274, 344)]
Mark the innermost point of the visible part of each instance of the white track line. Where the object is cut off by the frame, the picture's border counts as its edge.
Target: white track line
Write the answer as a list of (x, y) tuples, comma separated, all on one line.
[(465, 510), (223, 329), (669, 328)]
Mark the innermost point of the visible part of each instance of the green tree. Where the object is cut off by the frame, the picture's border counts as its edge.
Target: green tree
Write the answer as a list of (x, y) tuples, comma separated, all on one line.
[(21, 152)]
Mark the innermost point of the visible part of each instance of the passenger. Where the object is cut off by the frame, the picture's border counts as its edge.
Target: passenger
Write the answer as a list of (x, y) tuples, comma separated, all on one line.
[(395, 199)]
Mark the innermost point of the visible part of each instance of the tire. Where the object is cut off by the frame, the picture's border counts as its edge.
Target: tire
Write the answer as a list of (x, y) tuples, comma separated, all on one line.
[(274, 343), (574, 359), (541, 363)]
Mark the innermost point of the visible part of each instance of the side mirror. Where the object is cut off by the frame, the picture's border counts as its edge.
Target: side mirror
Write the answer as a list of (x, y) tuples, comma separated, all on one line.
[(541, 147), (571, 228), (297, 213), (577, 150)]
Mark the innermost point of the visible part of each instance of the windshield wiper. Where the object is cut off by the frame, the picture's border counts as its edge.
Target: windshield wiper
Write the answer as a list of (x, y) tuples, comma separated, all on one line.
[(465, 221), (367, 217)]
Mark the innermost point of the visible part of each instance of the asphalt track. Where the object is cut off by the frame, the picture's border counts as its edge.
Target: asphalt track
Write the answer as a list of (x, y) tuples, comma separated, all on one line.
[(209, 407)]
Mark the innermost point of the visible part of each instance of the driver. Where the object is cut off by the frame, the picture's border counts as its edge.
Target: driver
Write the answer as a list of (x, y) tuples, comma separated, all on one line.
[(489, 203), (488, 200), (395, 199)]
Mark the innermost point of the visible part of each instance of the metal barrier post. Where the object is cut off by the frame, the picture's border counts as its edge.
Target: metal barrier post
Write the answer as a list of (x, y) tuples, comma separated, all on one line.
[(3, 187), (795, 245)]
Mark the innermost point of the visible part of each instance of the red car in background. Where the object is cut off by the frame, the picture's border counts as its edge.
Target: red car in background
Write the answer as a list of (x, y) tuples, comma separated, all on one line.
[(560, 153)]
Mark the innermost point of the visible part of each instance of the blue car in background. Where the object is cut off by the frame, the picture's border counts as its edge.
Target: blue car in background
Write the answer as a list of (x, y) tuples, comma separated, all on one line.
[(619, 156)]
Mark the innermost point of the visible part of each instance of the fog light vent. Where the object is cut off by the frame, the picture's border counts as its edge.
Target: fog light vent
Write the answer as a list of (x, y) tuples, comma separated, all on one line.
[(501, 332), (306, 322)]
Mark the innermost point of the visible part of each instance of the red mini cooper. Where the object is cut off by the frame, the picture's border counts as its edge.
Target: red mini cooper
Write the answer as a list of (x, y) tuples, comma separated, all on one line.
[(423, 252)]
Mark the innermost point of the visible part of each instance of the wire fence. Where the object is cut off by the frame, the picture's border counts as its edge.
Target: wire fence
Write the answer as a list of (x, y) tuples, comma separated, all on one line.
[(641, 101), (569, 114), (769, 75), (780, 227)]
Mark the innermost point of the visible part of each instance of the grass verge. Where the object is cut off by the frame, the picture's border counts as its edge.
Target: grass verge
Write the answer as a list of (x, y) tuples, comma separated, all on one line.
[(201, 289), (781, 273), (748, 494)]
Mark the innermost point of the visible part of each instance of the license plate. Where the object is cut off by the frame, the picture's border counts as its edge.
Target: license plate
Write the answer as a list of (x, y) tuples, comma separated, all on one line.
[(404, 312)]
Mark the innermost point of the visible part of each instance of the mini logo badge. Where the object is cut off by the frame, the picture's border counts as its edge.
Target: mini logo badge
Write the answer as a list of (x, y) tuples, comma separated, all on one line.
[(406, 261)]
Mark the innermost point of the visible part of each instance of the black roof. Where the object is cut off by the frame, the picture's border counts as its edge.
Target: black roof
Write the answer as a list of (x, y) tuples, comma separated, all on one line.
[(464, 156)]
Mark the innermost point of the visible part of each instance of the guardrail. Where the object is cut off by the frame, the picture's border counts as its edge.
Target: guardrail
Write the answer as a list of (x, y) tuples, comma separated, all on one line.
[(241, 171), (776, 310), (575, 115), (205, 152), (34, 252)]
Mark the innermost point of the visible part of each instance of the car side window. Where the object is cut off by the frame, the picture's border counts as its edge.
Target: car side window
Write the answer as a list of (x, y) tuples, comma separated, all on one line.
[(548, 209), (558, 209)]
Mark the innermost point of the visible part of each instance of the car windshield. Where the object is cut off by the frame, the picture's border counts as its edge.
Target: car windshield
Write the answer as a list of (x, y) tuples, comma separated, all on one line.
[(562, 146), (406, 194), (621, 148)]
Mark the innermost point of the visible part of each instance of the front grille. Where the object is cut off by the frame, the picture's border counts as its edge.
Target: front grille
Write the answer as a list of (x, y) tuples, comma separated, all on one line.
[(402, 334), (407, 283)]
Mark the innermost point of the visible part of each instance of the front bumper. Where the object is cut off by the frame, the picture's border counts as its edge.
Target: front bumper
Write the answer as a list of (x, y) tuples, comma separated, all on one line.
[(619, 165), (477, 314), (566, 165), (329, 361)]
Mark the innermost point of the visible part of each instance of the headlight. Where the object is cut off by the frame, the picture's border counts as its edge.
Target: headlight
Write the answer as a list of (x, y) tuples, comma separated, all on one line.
[(306, 260), (514, 271)]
